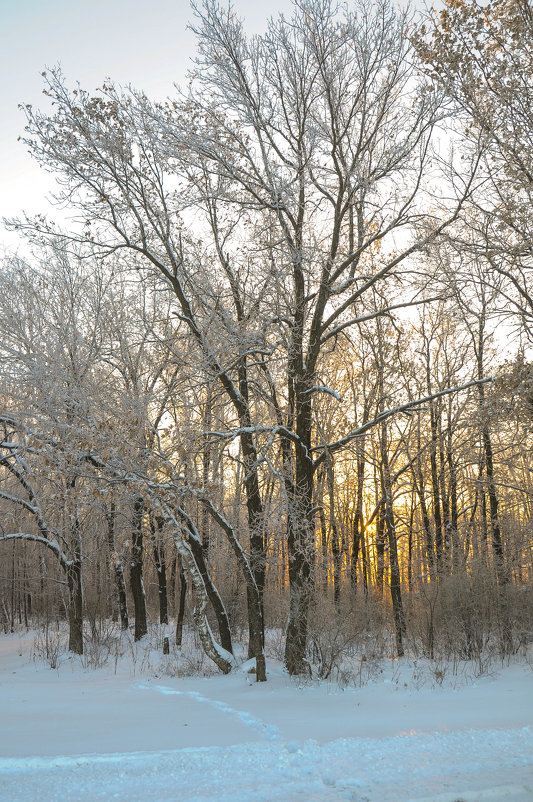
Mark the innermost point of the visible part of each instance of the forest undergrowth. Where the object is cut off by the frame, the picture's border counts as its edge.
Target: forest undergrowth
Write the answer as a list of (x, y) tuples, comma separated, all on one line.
[(453, 638)]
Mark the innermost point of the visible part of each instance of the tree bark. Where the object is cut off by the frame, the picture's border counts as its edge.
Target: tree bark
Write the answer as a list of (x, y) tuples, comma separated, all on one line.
[(255, 616), (380, 548), (160, 567), (336, 550), (454, 511), (300, 538), (395, 577), (136, 569), (181, 604), (222, 658), (74, 578), (213, 595), (75, 606), (358, 524), (435, 485), (120, 584)]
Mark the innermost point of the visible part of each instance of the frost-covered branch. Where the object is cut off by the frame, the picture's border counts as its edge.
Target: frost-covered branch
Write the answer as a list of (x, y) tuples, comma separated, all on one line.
[(324, 448), (51, 544)]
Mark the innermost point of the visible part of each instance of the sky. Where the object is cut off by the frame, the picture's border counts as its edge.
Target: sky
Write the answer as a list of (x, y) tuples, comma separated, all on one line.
[(144, 43)]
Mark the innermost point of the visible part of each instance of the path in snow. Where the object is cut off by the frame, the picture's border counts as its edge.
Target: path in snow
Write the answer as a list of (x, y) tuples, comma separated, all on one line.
[(101, 736), (270, 732)]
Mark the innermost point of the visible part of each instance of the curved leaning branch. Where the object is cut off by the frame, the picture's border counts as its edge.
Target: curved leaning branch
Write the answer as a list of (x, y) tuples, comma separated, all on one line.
[(50, 544), (12, 460), (223, 659), (327, 448), (253, 591)]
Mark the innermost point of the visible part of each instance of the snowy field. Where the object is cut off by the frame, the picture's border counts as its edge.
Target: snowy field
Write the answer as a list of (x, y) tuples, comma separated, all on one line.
[(129, 731)]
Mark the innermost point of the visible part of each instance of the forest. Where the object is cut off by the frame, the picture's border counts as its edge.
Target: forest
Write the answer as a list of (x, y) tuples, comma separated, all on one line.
[(274, 382)]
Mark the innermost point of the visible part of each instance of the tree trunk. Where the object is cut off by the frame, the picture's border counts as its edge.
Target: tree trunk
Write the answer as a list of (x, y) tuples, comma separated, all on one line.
[(497, 544), (222, 658), (323, 548), (336, 551), (435, 485), (380, 548), (502, 572), (419, 486), (213, 595), (75, 606), (118, 569), (410, 545), (255, 615), (300, 592), (358, 515), (160, 567), (395, 578), (181, 604), (254, 506), (454, 511), (445, 501), (136, 569), (356, 548), (206, 467), (366, 567), (300, 540), (74, 583)]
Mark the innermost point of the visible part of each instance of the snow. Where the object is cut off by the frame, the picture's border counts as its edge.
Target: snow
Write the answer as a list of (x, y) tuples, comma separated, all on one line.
[(131, 731)]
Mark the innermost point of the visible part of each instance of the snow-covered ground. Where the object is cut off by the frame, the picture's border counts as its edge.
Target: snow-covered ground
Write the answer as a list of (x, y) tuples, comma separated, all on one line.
[(123, 733)]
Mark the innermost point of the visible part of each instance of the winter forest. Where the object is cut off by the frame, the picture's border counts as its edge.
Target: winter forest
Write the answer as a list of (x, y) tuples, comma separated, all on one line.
[(273, 385)]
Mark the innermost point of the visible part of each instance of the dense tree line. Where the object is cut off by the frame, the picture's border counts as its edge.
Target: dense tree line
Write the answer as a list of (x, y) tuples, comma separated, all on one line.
[(281, 366)]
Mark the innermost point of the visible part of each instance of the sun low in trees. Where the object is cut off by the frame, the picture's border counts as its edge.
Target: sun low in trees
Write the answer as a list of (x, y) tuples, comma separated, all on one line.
[(397, 534)]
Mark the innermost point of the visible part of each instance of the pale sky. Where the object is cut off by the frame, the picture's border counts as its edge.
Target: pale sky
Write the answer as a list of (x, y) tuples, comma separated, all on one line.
[(140, 42)]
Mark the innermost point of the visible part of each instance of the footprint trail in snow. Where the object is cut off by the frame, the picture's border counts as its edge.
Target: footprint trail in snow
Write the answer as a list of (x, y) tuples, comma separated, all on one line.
[(269, 731)]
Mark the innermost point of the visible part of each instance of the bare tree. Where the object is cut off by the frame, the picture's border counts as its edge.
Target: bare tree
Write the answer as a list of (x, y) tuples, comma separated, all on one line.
[(481, 55), (49, 350)]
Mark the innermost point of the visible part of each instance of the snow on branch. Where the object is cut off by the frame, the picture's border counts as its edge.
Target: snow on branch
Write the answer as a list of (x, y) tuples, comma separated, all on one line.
[(223, 659), (51, 544), (326, 448), (233, 540), (319, 388), (20, 501), (273, 430), (373, 315)]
